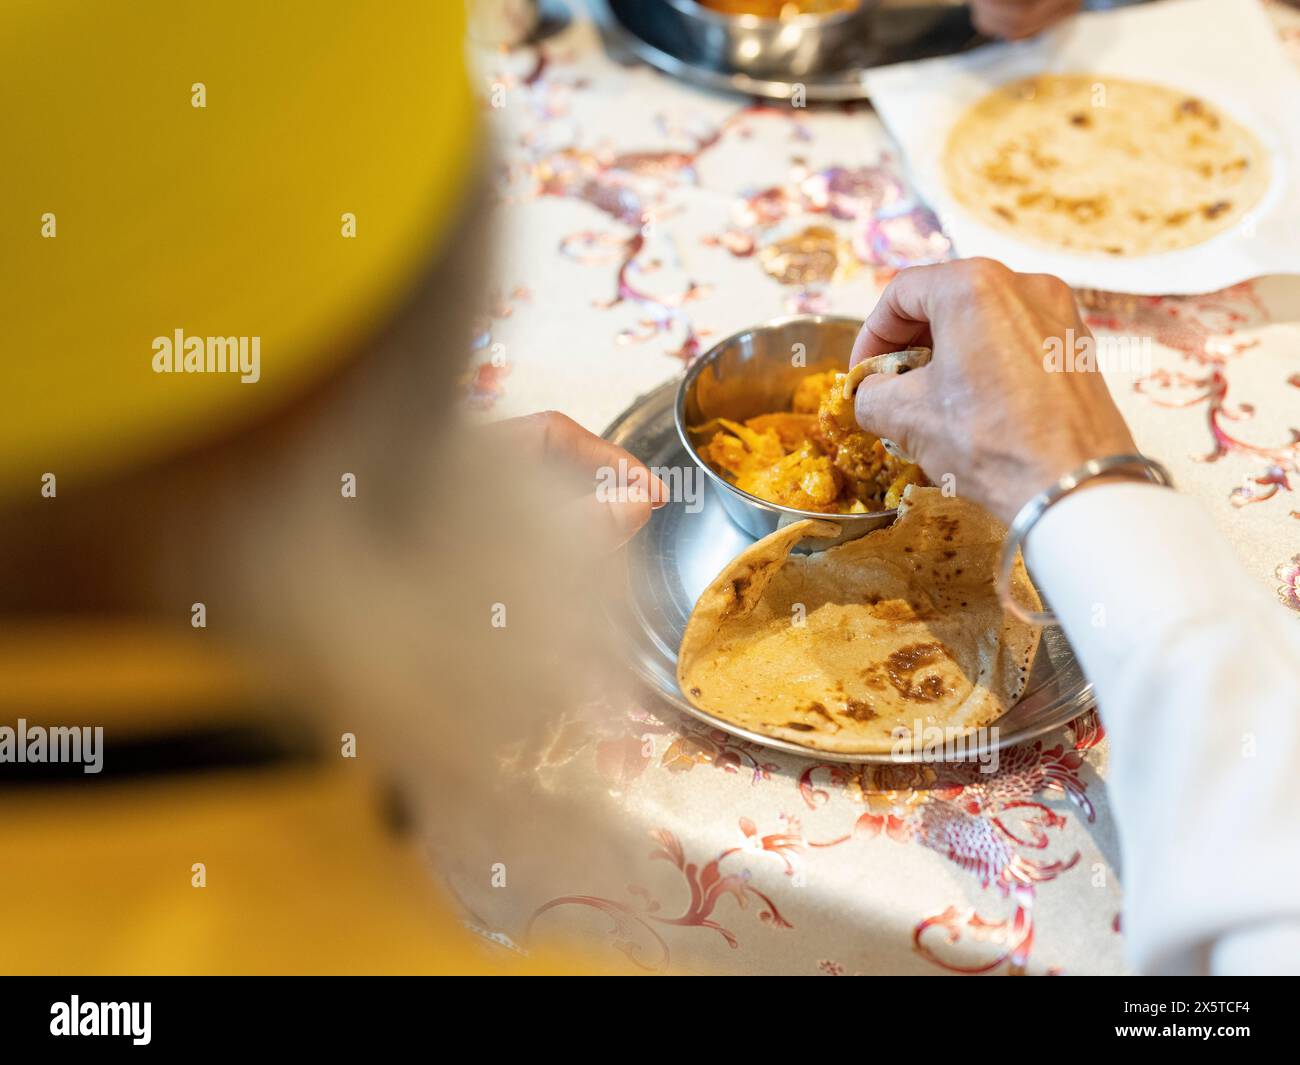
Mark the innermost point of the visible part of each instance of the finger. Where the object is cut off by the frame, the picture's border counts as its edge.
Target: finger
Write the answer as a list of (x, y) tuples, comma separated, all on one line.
[(1015, 17), (611, 523), (915, 300), (1014, 21), (552, 436), (1002, 26), (1051, 292), (1033, 12), (562, 443), (901, 317), (887, 336), (1027, 9)]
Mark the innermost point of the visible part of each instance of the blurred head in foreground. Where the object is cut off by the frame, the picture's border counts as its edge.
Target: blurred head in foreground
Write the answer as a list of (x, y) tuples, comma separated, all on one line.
[(246, 241)]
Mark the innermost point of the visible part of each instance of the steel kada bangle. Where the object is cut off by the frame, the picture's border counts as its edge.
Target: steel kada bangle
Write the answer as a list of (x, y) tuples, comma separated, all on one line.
[(1029, 514)]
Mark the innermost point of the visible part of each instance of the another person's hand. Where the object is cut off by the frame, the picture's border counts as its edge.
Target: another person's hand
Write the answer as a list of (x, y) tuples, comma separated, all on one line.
[(1015, 19), (585, 468), (987, 409)]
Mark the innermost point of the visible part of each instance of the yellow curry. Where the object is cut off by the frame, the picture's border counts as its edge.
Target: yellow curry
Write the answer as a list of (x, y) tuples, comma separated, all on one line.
[(812, 457)]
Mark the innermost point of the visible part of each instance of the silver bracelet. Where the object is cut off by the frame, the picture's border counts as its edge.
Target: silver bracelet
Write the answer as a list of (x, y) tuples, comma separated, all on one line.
[(1035, 508)]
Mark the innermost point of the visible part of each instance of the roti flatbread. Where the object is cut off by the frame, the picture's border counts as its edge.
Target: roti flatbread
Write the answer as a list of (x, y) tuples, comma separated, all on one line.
[(1103, 165), (890, 364), (837, 650)]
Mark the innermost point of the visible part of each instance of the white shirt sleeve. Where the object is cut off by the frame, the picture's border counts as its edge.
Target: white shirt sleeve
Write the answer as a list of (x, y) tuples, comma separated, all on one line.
[(1197, 675)]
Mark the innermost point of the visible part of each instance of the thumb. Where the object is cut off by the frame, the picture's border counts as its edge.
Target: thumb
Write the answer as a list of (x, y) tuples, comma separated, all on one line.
[(891, 405)]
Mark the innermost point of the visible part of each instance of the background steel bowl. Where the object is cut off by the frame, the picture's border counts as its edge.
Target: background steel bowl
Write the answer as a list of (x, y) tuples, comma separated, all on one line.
[(756, 372), (804, 46)]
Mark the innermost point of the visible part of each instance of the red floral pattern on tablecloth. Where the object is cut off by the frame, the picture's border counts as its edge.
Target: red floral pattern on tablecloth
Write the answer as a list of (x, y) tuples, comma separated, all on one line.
[(1203, 330), (1289, 590), (995, 827), (883, 226), (706, 886)]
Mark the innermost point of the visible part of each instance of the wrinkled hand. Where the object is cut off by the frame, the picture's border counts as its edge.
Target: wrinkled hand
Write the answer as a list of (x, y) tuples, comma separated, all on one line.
[(581, 463), (986, 409), (1013, 20)]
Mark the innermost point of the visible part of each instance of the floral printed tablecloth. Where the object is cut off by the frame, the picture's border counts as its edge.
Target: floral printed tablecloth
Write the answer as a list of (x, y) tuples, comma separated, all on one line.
[(643, 219)]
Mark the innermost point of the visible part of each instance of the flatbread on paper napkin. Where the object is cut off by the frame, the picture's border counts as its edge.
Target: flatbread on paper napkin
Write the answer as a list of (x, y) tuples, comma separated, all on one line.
[(1225, 53), (835, 650), (1104, 165)]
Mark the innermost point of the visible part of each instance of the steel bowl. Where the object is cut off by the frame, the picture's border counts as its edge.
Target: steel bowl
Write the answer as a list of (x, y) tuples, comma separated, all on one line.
[(803, 46), (756, 372)]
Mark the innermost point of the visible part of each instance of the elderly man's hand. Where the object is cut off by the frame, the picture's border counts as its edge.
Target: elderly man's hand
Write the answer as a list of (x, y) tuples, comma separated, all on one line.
[(990, 409), (1016, 19), (603, 485)]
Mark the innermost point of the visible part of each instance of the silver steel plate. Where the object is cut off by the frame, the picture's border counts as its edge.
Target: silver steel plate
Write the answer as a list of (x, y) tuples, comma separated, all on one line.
[(673, 559)]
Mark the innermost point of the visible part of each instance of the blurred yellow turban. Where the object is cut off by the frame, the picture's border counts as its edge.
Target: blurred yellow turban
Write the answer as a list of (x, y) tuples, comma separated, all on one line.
[(234, 169)]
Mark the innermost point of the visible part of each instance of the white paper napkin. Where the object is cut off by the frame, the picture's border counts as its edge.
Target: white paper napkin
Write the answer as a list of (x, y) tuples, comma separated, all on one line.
[(1224, 51)]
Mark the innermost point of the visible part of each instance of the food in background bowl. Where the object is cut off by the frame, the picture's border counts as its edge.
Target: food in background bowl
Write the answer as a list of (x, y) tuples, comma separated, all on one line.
[(779, 8), (813, 457)]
